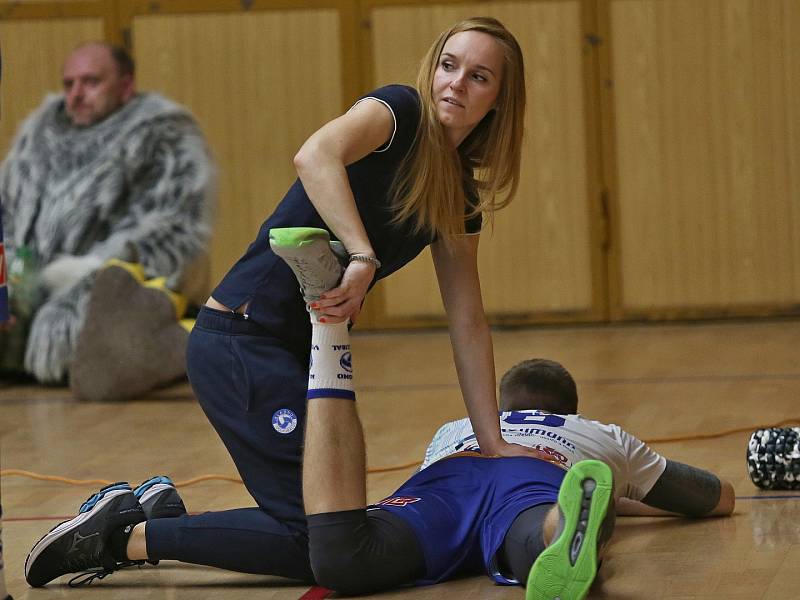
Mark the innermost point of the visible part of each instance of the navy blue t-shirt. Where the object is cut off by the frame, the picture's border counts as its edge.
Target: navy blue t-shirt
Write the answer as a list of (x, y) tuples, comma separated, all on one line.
[(264, 280)]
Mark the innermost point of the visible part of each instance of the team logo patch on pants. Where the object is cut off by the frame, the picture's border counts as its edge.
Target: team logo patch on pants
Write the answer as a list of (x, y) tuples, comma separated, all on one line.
[(284, 421)]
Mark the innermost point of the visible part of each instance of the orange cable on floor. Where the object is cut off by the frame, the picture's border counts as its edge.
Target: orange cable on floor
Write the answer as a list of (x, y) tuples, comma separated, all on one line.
[(708, 436), (374, 470), (68, 481)]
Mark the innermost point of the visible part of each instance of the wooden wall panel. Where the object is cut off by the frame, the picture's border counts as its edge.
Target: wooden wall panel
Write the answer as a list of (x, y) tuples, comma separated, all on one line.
[(259, 83), (702, 153), (33, 55), (708, 129), (537, 259)]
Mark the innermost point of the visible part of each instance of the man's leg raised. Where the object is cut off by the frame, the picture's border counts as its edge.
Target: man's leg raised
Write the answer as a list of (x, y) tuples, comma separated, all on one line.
[(334, 458)]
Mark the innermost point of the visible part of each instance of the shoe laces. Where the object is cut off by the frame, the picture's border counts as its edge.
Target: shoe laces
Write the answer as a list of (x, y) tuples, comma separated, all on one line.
[(89, 575)]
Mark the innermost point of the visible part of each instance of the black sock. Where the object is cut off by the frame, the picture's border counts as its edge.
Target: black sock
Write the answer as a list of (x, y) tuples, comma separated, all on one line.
[(118, 542)]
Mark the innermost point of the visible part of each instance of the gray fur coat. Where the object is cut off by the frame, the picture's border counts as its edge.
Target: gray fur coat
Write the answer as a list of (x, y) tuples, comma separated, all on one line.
[(137, 186)]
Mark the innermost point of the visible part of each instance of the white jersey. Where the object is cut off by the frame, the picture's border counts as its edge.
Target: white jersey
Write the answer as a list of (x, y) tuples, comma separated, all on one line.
[(567, 439)]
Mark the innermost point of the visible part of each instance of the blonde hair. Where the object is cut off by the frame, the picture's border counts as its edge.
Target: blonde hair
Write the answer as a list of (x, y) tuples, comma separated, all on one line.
[(429, 187)]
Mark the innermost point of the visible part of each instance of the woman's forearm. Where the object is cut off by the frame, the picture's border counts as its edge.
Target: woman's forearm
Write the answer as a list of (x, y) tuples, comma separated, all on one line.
[(456, 263), (474, 360)]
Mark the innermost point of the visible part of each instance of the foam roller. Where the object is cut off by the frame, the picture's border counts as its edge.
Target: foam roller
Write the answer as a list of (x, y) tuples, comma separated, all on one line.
[(773, 458)]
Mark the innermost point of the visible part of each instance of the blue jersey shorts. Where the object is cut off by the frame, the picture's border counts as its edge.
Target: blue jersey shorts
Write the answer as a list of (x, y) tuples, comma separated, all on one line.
[(461, 508)]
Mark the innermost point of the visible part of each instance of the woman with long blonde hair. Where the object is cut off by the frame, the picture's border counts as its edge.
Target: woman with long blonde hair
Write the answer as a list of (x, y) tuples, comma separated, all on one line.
[(404, 168)]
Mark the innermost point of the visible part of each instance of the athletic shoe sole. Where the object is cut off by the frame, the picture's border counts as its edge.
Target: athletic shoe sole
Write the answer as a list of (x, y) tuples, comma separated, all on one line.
[(308, 252), (566, 569)]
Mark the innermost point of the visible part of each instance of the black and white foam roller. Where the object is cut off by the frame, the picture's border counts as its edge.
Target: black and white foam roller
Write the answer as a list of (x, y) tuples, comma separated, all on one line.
[(773, 458)]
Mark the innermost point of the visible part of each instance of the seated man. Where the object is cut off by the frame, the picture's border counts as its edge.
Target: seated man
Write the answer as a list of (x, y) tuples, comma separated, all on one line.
[(540, 522), (96, 173)]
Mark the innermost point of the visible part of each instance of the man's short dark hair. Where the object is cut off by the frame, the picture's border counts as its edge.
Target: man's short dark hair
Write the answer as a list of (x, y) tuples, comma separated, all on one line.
[(540, 384), (124, 60)]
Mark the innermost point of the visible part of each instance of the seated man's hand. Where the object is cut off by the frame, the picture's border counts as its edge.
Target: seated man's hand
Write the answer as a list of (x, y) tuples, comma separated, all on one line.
[(67, 270)]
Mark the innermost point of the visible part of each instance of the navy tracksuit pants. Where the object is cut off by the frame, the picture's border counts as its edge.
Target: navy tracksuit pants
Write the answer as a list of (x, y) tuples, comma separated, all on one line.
[(252, 388)]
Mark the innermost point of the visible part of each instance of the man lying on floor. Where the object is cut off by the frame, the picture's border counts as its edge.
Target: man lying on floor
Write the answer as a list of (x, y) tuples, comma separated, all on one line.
[(539, 522)]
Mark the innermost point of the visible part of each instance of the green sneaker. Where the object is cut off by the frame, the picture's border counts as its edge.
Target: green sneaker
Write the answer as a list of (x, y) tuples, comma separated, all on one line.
[(567, 567), (313, 258)]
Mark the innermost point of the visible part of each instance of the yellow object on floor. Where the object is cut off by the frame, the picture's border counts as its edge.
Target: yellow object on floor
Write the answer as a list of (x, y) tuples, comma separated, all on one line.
[(135, 269), (179, 301)]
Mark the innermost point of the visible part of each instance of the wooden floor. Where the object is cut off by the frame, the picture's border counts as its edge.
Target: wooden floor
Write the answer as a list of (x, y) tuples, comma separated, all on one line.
[(656, 381)]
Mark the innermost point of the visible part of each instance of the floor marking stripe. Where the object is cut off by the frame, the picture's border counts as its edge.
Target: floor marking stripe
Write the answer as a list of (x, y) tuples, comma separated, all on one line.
[(316, 593), (786, 497)]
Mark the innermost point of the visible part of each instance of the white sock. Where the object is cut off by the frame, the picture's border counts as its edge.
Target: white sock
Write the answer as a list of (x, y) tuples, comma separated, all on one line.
[(330, 374)]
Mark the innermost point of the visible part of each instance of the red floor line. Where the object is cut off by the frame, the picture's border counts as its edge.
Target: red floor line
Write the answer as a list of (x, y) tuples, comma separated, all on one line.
[(316, 593)]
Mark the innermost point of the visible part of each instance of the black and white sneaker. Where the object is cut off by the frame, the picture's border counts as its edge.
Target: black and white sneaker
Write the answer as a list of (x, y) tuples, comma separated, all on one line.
[(81, 544), (159, 499)]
